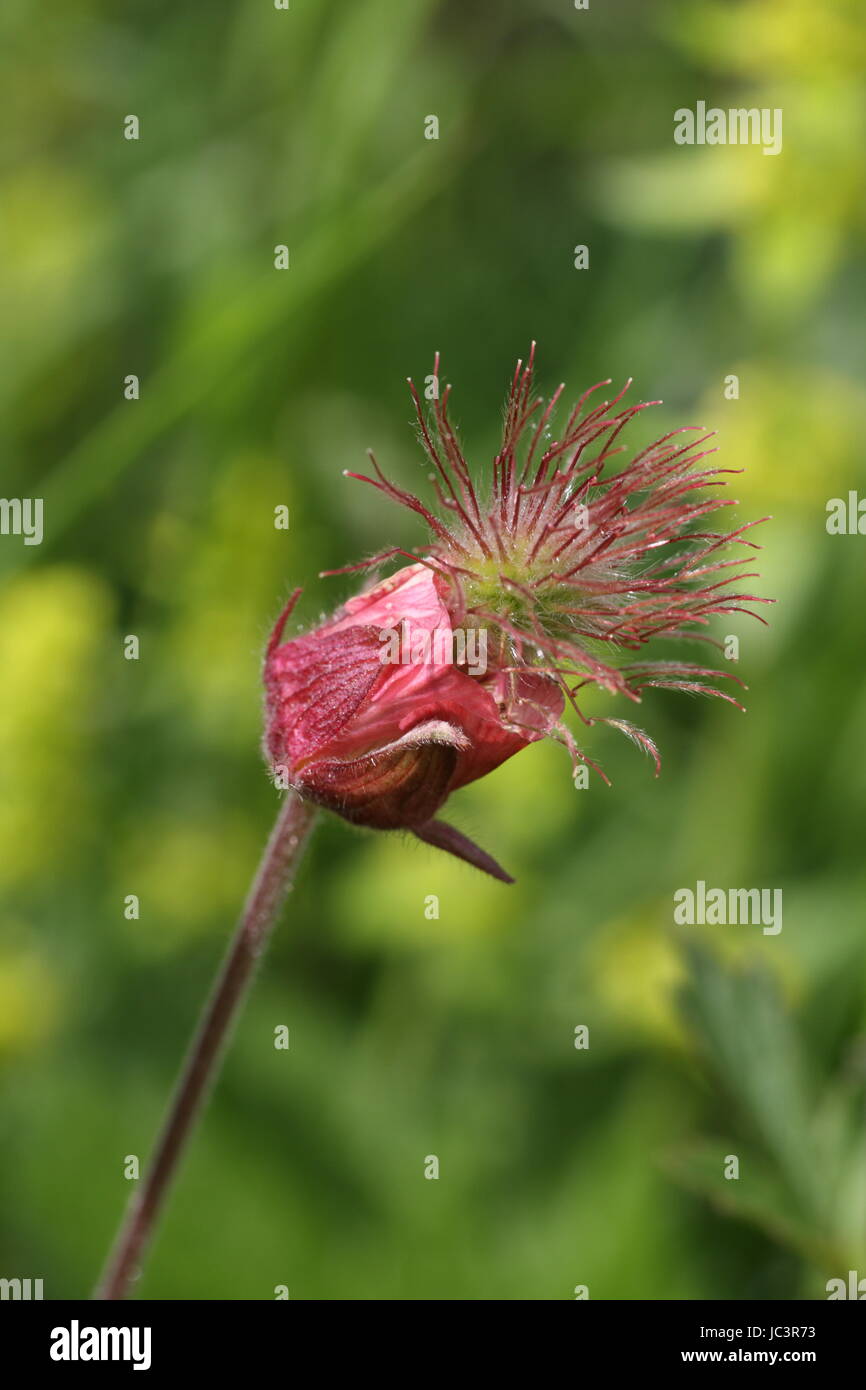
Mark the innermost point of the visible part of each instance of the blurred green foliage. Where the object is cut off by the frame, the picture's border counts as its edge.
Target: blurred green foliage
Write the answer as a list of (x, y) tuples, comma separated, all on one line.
[(411, 1037)]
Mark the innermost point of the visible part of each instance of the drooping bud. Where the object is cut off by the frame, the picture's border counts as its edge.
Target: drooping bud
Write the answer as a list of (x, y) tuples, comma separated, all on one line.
[(372, 718)]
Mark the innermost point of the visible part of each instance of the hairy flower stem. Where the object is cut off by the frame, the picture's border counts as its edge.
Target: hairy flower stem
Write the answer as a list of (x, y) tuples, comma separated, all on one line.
[(267, 894)]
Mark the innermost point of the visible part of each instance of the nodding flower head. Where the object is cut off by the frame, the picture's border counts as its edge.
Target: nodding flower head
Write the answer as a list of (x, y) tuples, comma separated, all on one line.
[(562, 569)]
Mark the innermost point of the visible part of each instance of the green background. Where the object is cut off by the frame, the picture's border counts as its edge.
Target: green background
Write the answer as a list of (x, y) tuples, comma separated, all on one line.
[(412, 1037)]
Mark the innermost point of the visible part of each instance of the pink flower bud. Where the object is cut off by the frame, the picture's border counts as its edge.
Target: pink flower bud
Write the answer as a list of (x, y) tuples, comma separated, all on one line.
[(374, 715)]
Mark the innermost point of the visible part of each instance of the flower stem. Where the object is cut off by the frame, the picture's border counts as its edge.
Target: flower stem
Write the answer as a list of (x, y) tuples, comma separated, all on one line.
[(267, 894)]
